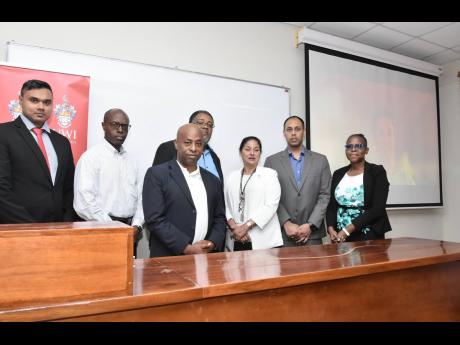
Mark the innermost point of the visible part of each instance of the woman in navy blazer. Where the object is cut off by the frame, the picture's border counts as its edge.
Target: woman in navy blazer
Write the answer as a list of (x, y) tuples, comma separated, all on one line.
[(359, 192)]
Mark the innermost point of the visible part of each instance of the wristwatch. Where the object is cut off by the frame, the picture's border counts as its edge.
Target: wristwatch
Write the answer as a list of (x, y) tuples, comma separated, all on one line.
[(138, 234)]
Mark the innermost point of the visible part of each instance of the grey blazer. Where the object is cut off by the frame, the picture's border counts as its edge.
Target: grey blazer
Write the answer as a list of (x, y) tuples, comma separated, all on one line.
[(308, 202)]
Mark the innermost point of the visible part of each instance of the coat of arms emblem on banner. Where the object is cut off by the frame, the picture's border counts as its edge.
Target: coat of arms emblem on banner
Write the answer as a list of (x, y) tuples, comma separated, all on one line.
[(65, 113), (14, 108)]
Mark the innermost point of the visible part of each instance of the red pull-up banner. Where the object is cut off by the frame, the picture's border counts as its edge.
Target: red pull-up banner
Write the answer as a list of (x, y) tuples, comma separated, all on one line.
[(70, 102)]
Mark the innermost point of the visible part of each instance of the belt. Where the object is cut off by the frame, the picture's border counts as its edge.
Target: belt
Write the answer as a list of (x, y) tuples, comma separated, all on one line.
[(123, 220)]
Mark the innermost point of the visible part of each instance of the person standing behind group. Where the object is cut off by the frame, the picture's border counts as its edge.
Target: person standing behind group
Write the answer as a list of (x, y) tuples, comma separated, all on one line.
[(305, 179), (36, 163), (252, 196), (356, 210), (208, 159), (107, 184), (183, 203)]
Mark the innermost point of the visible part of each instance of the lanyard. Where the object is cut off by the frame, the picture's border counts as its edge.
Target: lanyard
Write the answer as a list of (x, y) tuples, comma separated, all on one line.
[(242, 194)]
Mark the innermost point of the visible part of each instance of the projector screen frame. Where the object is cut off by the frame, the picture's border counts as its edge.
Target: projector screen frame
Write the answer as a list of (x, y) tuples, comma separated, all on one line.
[(308, 47)]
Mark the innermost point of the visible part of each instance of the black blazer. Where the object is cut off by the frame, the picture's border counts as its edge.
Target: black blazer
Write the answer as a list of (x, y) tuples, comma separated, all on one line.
[(170, 213), (167, 151), (27, 194), (376, 188)]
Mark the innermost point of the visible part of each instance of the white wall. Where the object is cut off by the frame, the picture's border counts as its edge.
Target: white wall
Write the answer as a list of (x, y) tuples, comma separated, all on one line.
[(262, 52), (450, 129)]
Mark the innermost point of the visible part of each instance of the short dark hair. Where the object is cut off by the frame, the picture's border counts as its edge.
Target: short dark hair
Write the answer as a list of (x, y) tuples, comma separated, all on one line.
[(112, 111), (245, 140), (192, 117), (35, 84), (294, 117), (359, 135)]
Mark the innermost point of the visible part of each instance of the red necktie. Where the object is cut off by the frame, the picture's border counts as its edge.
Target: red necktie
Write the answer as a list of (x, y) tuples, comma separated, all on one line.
[(38, 132)]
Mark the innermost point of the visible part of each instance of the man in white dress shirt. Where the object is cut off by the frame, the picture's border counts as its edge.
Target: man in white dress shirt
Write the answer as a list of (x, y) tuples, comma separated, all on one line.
[(107, 186)]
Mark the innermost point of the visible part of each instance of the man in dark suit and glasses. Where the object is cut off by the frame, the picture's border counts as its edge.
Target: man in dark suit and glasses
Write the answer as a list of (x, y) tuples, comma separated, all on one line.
[(36, 163), (183, 203), (208, 159)]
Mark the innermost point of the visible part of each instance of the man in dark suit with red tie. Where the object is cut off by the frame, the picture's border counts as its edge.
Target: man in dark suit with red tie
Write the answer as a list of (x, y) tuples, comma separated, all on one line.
[(36, 163)]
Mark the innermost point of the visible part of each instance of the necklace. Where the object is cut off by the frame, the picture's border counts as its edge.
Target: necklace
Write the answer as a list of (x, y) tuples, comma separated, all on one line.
[(242, 194)]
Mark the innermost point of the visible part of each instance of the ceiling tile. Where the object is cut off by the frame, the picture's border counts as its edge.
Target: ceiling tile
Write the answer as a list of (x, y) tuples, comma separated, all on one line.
[(383, 38), (342, 29), (400, 37), (448, 36), (444, 57), (418, 49), (415, 28)]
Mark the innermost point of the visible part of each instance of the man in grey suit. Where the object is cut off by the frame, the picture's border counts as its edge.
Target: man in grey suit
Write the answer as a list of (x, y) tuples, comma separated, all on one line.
[(305, 179)]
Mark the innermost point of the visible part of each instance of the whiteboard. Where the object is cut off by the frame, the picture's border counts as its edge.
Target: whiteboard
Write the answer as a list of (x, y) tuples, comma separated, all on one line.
[(158, 100)]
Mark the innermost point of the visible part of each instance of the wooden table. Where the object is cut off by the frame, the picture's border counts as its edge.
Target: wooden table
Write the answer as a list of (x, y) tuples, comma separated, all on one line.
[(402, 279)]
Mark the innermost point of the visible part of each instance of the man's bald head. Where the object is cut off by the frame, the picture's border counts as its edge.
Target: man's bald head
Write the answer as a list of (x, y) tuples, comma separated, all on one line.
[(111, 112), (185, 129), (189, 145)]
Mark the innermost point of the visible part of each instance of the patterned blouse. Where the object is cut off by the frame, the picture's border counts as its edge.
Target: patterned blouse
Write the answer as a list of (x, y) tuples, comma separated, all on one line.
[(350, 197)]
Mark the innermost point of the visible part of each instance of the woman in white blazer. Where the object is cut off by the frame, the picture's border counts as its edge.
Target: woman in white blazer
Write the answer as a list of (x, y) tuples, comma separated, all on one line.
[(252, 195)]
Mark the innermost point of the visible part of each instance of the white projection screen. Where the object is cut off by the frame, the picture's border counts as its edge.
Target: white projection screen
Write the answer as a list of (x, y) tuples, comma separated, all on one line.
[(395, 108), (158, 100)]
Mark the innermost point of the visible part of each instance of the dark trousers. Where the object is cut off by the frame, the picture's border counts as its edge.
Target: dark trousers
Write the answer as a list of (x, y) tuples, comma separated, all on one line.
[(237, 246)]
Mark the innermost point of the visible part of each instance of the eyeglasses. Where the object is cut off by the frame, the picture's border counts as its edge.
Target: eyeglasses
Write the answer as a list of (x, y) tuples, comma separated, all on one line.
[(355, 146), (124, 126), (202, 123)]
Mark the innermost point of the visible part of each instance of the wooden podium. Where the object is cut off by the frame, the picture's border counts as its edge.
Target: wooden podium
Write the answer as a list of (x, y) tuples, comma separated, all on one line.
[(401, 279), (64, 261)]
